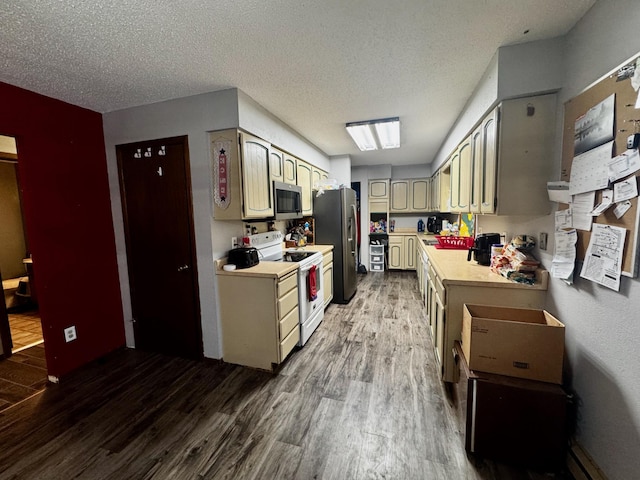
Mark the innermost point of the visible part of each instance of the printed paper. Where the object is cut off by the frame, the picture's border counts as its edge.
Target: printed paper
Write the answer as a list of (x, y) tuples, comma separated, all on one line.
[(603, 261), (625, 190), (564, 255), (581, 209), (623, 165), (590, 171), (607, 200)]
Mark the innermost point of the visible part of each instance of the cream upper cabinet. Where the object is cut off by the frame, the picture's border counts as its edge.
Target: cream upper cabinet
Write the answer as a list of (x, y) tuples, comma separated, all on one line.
[(399, 202), (460, 177), (289, 169), (517, 156), (256, 179), (378, 189), (408, 196), (435, 192), (276, 164), (487, 174), (318, 175), (477, 170), (444, 185), (304, 172), (241, 176), (420, 195), (378, 196)]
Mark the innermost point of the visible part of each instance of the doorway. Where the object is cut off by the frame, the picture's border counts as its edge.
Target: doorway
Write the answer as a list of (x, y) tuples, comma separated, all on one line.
[(23, 370), (155, 187)]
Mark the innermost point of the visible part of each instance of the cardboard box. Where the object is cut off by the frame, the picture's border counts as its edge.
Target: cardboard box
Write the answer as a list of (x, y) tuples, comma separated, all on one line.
[(518, 342)]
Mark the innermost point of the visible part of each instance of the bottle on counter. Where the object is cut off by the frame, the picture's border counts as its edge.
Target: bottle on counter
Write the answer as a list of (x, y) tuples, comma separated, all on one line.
[(420, 226)]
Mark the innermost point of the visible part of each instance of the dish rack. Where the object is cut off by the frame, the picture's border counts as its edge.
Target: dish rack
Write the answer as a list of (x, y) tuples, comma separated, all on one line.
[(453, 242)]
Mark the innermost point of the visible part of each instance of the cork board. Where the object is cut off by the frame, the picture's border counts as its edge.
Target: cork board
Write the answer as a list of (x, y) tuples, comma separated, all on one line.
[(625, 115)]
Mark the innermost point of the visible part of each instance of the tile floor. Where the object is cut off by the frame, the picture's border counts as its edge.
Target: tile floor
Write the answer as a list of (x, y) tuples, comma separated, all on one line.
[(26, 329)]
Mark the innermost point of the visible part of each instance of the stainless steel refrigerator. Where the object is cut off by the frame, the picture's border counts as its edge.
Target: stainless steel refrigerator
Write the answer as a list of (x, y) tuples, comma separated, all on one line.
[(336, 224)]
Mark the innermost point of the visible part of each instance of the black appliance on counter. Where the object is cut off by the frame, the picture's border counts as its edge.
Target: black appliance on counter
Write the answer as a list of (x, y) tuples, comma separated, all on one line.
[(434, 224), (482, 247), (243, 257)]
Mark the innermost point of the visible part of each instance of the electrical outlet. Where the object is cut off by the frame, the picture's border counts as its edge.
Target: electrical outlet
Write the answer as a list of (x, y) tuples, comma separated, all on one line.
[(234, 242), (543, 241), (70, 334)]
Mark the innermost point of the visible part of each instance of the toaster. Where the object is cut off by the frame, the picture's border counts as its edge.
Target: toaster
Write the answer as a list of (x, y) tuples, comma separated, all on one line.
[(243, 257)]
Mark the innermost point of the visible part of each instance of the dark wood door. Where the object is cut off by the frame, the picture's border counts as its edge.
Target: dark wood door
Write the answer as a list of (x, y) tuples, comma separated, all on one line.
[(155, 188)]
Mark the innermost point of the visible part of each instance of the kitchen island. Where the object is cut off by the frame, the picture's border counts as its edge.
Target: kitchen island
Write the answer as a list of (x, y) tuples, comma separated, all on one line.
[(453, 281)]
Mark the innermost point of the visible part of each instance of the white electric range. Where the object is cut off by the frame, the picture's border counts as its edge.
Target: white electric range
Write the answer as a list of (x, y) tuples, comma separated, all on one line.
[(310, 309)]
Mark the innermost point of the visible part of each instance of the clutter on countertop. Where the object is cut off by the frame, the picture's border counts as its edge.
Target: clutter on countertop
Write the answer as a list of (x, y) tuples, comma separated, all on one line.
[(515, 261), (379, 226)]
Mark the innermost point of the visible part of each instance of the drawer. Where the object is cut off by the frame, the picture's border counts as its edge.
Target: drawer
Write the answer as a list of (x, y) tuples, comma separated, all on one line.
[(289, 342), (377, 258), (327, 258), (287, 283), (377, 267), (289, 322), (376, 249), (287, 303)]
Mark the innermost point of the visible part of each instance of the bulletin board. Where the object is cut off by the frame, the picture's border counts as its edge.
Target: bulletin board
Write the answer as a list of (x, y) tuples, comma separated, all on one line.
[(626, 122)]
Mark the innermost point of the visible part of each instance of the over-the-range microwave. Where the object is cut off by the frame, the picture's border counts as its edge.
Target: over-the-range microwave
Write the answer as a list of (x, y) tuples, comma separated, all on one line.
[(287, 201)]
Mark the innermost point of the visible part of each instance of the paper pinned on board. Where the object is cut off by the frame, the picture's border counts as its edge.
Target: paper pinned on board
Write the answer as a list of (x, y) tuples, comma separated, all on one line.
[(589, 171), (559, 192), (621, 209), (603, 260), (607, 201), (563, 219), (625, 190), (581, 209), (624, 164), (564, 255)]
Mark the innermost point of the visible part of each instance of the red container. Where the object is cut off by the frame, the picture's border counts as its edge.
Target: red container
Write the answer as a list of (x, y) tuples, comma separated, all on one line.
[(455, 243)]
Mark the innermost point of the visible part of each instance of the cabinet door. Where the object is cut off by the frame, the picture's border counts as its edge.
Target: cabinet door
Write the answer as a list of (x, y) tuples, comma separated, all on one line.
[(399, 196), (289, 169), (409, 244), (256, 181), (454, 179), (431, 308), (490, 162), (327, 285), (378, 189), (477, 167), (276, 159), (324, 175), (396, 252), (464, 181), (316, 176), (378, 206), (440, 329), (304, 179), (435, 192), (445, 188), (419, 195)]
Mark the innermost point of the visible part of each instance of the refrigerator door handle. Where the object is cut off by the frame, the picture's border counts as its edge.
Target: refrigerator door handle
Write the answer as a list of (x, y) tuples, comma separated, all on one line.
[(355, 230)]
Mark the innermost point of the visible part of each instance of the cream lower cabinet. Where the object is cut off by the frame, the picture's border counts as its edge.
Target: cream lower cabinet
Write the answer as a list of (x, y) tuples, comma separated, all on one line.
[(327, 272), (402, 252), (259, 333)]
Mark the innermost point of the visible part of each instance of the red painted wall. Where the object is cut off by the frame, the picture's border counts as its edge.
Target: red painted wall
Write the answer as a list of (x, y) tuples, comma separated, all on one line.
[(63, 176)]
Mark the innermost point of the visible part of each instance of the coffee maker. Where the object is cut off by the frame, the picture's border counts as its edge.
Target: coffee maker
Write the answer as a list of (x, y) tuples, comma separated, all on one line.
[(482, 248)]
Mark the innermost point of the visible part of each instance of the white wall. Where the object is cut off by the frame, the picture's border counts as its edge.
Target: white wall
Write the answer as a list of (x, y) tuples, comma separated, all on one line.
[(602, 326), (195, 116), (514, 71), (341, 169)]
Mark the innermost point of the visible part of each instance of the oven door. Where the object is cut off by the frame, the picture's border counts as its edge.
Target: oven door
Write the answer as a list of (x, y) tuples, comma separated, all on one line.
[(311, 311)]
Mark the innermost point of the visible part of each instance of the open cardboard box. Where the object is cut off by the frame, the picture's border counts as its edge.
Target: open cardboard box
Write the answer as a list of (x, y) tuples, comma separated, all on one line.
[(518, 342)]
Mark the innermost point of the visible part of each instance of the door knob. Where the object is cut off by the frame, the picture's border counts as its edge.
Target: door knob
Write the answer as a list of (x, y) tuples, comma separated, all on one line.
[(183, 268)]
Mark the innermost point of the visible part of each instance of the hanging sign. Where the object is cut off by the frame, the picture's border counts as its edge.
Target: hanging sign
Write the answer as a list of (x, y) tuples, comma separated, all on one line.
[(221, 170)]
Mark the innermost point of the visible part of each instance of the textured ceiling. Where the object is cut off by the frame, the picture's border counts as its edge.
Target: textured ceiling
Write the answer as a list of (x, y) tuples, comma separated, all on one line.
[(314, 64)]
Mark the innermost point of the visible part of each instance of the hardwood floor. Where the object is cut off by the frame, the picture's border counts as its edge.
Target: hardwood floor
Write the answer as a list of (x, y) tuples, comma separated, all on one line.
[(361, 400), (22, 375), (26, 329)]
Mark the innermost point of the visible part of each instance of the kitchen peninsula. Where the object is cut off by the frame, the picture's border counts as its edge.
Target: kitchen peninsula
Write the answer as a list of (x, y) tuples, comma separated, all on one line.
[(453, 281)]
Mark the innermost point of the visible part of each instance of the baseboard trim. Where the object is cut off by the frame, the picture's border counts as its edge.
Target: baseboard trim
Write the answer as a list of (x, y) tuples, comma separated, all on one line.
[(581, 465)]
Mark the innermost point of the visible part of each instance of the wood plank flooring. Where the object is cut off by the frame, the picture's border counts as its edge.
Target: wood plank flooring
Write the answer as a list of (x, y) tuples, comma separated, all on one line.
[(361, 400), (26, 329), (22, 375)]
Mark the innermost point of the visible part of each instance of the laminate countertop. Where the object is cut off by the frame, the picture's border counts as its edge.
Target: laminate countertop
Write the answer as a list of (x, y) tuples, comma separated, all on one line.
[(269, 269), (453, 268)]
